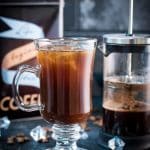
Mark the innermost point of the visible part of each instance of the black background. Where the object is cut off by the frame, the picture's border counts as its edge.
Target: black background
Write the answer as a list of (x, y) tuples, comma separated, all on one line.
[(101, 16)]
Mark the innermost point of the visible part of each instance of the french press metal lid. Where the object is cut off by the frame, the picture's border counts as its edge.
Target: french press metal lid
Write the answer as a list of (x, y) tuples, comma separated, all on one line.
[(123, 43), (123, 39)]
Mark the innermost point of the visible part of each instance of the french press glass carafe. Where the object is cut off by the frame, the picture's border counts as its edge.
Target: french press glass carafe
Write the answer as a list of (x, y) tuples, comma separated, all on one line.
[(126, 99)]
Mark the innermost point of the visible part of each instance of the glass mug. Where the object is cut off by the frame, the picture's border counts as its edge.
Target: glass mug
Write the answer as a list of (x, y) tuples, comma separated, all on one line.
[(64, 70)]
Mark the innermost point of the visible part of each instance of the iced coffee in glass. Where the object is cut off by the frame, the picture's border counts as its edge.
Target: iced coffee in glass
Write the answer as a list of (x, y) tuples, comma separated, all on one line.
[(65, 69)]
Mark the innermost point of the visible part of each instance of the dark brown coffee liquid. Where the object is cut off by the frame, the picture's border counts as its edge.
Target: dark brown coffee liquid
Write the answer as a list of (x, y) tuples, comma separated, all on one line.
[(126, 108), (65, 84)]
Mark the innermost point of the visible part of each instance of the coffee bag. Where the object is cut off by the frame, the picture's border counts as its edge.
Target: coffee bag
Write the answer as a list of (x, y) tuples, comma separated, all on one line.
[(20, 23)]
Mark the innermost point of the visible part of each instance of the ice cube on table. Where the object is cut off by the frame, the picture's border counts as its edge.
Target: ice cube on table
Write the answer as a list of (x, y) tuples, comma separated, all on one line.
[(4, 122), (38, 133), (116, 143), (84, 135)]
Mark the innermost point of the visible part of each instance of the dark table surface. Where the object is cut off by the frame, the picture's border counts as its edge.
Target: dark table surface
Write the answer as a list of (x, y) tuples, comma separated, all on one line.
[(25, 126)]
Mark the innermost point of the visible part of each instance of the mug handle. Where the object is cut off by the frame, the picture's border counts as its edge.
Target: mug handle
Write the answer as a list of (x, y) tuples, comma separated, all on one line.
[(15, 87)]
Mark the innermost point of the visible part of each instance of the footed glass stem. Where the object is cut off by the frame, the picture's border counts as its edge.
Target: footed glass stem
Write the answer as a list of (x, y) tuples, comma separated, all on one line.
[(66, 136)]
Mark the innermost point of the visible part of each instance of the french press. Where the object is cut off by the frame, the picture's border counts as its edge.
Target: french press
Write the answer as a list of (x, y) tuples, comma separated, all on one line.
[(126, 96)]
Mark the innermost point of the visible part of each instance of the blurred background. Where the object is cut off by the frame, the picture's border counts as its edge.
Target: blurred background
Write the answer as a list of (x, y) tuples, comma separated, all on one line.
[(93, 17)]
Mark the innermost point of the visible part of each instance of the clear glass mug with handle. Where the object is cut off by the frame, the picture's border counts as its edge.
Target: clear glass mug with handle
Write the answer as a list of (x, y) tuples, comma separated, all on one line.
[(64, 70)]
